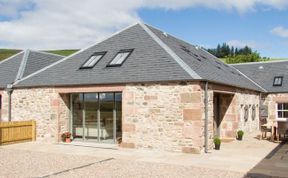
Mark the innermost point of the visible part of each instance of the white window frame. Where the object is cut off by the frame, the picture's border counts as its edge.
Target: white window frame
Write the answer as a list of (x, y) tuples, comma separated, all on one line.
[(92, 60), (120, 57), (282, 110), (278, 80)]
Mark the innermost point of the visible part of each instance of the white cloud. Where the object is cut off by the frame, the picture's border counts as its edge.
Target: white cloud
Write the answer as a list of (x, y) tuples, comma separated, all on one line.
[(280, 31), (51, 24)]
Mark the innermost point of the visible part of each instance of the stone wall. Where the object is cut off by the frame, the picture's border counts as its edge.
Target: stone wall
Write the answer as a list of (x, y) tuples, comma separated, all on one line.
[(4, 110), (232, 103), (40, 105), (1, 93), (161, 116), (271, 100), (164, 117)]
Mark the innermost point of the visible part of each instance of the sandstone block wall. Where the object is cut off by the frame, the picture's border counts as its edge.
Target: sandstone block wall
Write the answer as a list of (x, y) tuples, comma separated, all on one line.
[(271, 101), (161, 116), (43, 105), (1, 93), (232, 104), (164, 117)]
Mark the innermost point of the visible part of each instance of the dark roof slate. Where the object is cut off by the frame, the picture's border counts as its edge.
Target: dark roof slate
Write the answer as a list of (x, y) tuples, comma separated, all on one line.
[(23, 64), (156, 57), (264, 72), (147, 62), (9, 69)]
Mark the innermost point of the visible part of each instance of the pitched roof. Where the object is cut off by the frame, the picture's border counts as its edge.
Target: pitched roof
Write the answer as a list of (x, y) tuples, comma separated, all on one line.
[(23, 64), (263, 73), (156, 57)]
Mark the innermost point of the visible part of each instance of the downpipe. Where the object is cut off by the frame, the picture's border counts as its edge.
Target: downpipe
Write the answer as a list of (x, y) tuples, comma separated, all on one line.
[(9, 91), (206, 117)]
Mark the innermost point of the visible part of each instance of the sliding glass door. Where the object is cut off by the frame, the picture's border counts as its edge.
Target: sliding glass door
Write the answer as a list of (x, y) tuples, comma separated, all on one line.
[(96, 116)]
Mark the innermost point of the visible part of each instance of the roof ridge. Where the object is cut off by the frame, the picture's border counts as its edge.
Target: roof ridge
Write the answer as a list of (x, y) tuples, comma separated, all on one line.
[(249, 79), (22, 65), (43, 52), (68, 57), (11, 57), (182, 64), (260, 62)]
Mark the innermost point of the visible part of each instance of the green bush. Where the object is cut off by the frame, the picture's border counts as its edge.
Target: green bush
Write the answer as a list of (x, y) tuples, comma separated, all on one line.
[(217, 141), (240, 133)]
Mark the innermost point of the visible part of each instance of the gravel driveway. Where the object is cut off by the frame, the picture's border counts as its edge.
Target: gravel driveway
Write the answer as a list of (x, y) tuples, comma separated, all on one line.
[(22, 163)]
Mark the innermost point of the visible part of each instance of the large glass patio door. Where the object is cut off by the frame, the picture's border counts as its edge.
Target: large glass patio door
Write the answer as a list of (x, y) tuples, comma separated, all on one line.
[(96, 116)]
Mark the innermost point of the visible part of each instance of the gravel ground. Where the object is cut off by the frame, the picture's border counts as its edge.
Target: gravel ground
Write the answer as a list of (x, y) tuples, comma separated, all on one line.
[(20, 163)]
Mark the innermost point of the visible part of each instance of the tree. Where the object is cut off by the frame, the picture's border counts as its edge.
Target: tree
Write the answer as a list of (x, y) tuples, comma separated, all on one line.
[(241, 58), (235, 55)]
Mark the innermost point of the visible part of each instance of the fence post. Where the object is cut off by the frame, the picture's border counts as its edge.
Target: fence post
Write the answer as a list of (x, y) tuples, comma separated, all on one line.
[(33, 130)]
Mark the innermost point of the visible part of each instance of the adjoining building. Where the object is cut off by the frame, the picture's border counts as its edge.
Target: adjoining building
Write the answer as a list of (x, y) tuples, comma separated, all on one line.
[(16, 68), (141, 87)]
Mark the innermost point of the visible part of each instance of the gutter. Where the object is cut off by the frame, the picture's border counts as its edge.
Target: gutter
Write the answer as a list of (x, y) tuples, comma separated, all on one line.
[(206, 117)]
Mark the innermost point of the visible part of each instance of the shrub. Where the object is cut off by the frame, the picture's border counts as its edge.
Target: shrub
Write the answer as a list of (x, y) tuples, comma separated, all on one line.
[(217, 141), (65, 135), (240, 133)]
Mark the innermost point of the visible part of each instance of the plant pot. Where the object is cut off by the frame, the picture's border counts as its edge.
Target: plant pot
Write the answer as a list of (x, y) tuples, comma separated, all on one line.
[(217, 147), (240, 138), (68, 140)]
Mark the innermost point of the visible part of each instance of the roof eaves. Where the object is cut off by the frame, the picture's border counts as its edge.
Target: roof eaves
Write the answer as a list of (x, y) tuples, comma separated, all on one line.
[(182, 64), (68, 57), (22, 65)]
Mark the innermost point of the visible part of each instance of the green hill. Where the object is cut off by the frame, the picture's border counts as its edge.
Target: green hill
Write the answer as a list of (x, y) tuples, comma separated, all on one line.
[(5, 53)]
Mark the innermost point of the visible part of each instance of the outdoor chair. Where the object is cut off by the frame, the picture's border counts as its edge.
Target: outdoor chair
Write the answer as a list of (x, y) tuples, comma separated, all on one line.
[(265, 128), (282, 129)]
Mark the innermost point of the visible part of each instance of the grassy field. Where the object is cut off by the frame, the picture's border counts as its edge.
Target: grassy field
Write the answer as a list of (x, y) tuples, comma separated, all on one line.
[(5, 53), (278, 59), (65, 52)]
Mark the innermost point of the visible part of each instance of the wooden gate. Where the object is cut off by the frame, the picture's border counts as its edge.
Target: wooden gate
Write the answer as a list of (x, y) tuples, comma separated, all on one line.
[(17, 131)]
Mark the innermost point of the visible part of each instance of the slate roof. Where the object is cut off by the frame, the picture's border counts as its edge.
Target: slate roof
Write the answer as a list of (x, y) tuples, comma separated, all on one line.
[(156, 57), (23, 64), (264, 75)]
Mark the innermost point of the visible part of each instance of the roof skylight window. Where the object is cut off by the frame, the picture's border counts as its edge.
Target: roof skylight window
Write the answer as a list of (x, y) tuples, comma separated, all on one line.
[(278, 81), (93, 60), (120, 57)]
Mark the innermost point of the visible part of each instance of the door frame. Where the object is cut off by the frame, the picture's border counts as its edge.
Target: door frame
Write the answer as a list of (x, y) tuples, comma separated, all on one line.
[(98, 115)]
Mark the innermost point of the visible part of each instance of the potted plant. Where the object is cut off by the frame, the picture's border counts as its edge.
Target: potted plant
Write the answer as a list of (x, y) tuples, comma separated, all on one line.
[(240, 134), (217, 143), (66, 137)]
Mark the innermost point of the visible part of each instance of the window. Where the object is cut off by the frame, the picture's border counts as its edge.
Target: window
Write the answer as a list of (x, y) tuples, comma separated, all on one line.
[(120, 57), (246, 113), (253, 112), (282, 111), (92, 61), (278, 81)]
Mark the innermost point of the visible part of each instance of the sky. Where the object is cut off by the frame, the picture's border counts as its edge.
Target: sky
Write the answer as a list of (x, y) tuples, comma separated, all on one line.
[(74, 24)]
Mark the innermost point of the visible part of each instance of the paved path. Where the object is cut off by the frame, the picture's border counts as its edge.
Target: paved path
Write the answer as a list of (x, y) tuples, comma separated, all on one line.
[(234, 159), (274, 164)]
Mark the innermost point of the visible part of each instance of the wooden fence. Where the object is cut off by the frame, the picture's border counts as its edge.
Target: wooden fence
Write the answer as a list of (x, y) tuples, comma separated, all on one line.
[(17, 131)]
